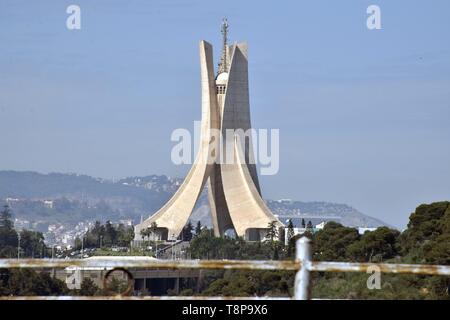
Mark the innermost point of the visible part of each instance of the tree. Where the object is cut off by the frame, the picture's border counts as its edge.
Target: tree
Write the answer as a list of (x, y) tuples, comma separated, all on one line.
[(110, 237), (46, 285), (332, 241), (272, 231), (88, 288), (250, 283), (427, 238), (198, 228), (146, 233), (281, 234), (27, 282), (290, 232), (187, 232), (309, 225), (116, 285), (303, 223), (378, 245), (8, 236), (290, 237), (32, 243), (124, 235), (6, 218)]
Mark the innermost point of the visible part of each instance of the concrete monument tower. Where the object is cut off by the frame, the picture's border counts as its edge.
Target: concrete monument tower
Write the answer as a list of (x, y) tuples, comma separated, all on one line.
[(234, 192)]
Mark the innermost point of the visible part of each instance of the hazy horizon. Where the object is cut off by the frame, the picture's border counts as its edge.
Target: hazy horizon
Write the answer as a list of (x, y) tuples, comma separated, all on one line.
[(363, 115)]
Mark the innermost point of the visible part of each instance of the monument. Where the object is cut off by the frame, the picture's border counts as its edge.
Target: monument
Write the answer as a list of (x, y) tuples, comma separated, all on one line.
[(233, 187)]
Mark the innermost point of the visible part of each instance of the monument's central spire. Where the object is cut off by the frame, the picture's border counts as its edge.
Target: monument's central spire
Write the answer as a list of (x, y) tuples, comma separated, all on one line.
[(223, 65)]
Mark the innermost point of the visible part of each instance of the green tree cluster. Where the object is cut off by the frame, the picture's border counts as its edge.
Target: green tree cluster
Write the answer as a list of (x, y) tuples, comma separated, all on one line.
[(426, 240), (31, 242), (251, 283), (27, 282), (338, 243), (206, 246), (8, 235), (107, 235), (88, 288)]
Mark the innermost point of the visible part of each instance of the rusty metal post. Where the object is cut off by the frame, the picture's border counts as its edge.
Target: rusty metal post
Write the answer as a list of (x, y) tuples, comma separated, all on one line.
[(302, 289)]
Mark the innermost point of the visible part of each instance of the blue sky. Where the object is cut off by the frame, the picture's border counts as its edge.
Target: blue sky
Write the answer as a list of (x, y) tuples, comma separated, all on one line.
[(363, 115)]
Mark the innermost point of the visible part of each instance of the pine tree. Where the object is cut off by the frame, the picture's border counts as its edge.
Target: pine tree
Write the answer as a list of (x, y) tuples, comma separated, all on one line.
[(32, 243), (303, 223), (272, 232), (8, 236), (187, 231), (88, 288), (290, 232), (198, 228), (309, 225), (110, 234), (6, 218)]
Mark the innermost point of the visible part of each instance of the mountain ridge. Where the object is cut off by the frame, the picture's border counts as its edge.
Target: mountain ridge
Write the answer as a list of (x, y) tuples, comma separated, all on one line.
[(84, 197)]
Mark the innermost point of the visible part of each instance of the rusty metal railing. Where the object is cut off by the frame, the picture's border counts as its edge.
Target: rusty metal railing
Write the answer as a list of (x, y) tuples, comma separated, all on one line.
[(303, 265)]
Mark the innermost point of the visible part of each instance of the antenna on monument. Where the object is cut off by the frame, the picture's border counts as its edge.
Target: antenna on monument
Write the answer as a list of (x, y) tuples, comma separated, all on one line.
[(223, 65)]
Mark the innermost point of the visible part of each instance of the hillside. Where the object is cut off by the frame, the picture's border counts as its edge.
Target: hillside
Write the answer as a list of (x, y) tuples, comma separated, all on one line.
[(71, 198)]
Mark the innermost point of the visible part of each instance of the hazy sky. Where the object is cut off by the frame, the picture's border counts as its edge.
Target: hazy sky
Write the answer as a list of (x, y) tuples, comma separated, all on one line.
[(364, 116)]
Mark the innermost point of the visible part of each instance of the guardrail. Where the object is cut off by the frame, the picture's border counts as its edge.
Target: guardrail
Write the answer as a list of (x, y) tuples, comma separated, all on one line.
[(303, 264)]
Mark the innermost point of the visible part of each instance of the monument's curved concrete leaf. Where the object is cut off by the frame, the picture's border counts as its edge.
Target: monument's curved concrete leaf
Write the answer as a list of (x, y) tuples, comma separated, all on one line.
[(240, 183), (175, 213)]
